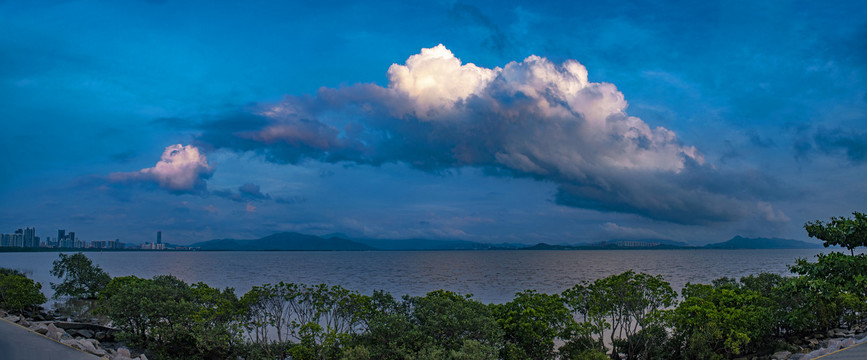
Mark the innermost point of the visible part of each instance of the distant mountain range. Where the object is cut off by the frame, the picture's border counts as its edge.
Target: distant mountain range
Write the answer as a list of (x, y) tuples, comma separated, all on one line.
[(284, 241), (292, 241), (739, 242)]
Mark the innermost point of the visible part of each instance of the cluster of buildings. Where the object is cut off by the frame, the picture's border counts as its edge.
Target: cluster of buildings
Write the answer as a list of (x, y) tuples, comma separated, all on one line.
[(26, 238), (22, 238)]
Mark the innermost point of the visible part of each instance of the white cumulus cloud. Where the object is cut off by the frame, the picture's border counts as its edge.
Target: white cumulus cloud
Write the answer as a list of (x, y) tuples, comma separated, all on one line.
[(180, 169), (533, 118)]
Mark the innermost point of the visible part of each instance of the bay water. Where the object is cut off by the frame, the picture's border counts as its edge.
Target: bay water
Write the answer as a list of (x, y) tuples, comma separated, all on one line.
[(491, 276)]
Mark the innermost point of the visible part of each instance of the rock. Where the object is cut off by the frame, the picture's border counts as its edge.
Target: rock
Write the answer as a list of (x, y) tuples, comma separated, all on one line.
[(100, 352), (781, 355), (73, 332), (73, 343), (11, 318), (813, 343), (123, 352), (41, 330), (847, 342), (87, 346), (22, 321), (142, 357), (92, 341), (100, 335), (86, 333)]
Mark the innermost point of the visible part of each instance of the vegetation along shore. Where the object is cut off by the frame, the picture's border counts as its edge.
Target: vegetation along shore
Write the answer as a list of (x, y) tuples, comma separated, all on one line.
[(624, 316)]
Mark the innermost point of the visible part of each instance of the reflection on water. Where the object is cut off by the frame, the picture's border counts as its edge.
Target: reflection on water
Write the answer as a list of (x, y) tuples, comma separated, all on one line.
[(492, 276)]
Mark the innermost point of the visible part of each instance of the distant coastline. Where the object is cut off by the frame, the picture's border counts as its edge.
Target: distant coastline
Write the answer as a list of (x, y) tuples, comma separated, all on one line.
[(290, 241)]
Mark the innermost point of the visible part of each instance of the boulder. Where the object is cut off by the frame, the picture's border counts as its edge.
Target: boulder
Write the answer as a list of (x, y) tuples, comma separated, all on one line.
[(100, 352), (813, 343), (11, 318), (99, 335), (847, 342), (781, 355), (41, 330), (142, 357), (23, 321), (73, 343), (123, 352), (92, 341), (87, 346), (85, 333)]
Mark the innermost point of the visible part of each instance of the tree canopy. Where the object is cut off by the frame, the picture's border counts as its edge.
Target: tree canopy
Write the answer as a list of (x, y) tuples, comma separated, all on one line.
[(840, 231), (81, 278)]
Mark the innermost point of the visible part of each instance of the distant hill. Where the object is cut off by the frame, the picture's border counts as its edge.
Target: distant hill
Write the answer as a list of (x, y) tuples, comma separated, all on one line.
[(614, 245), (739, 242), (428, 244), (284, 241)]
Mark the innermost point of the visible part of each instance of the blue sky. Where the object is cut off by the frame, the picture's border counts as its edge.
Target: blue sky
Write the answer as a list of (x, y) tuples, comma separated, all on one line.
[(575, 122)]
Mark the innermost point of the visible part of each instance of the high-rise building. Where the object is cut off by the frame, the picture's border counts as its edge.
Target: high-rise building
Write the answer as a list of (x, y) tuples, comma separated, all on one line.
[(159, 237), (30, 239)]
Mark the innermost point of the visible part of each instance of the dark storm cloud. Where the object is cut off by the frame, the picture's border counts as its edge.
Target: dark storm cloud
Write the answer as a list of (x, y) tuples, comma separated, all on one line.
[(247, 192), (532, 119), (852, 144)]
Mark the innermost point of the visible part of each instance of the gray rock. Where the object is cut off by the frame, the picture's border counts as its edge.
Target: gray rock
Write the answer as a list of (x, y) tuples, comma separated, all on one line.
[(781, 355), (41, 330), (142, 357), (100, 335), (92, 341), (87, 346), (73, 343), (123, 352), (813, 343), (847, 342), (22, 321), (86, 333)]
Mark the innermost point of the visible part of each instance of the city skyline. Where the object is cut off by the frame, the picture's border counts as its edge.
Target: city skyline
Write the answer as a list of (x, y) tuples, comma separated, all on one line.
[(485, 121)]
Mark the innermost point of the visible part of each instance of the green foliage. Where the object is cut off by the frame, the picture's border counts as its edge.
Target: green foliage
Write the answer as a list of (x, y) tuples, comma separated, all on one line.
[(716, 322), (448, 320), (18, 292), (623, 304), (8, 271), (531, 323), (840, 231), (80, 277), (173, 319), (832, 290)]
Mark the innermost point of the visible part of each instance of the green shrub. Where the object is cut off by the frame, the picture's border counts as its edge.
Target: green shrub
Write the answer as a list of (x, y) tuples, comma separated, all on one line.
[(172, 319), (18, 292)]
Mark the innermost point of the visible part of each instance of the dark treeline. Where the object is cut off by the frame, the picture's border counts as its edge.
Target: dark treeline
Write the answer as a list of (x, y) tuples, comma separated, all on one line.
[(624, 316)]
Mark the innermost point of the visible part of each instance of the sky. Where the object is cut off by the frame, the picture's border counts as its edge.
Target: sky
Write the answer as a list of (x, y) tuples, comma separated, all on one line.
[(519, 122)]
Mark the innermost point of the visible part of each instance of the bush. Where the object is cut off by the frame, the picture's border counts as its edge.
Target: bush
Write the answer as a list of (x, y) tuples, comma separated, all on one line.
[(718, 322), (531, 323), (172, 319), (18, 292), (80, 277)]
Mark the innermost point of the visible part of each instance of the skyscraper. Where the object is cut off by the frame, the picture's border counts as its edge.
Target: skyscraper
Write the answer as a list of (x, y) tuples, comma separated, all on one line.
[(159, 237)]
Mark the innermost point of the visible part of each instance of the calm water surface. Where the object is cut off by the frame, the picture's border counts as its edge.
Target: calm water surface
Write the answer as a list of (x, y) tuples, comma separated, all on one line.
[(492, 276)]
